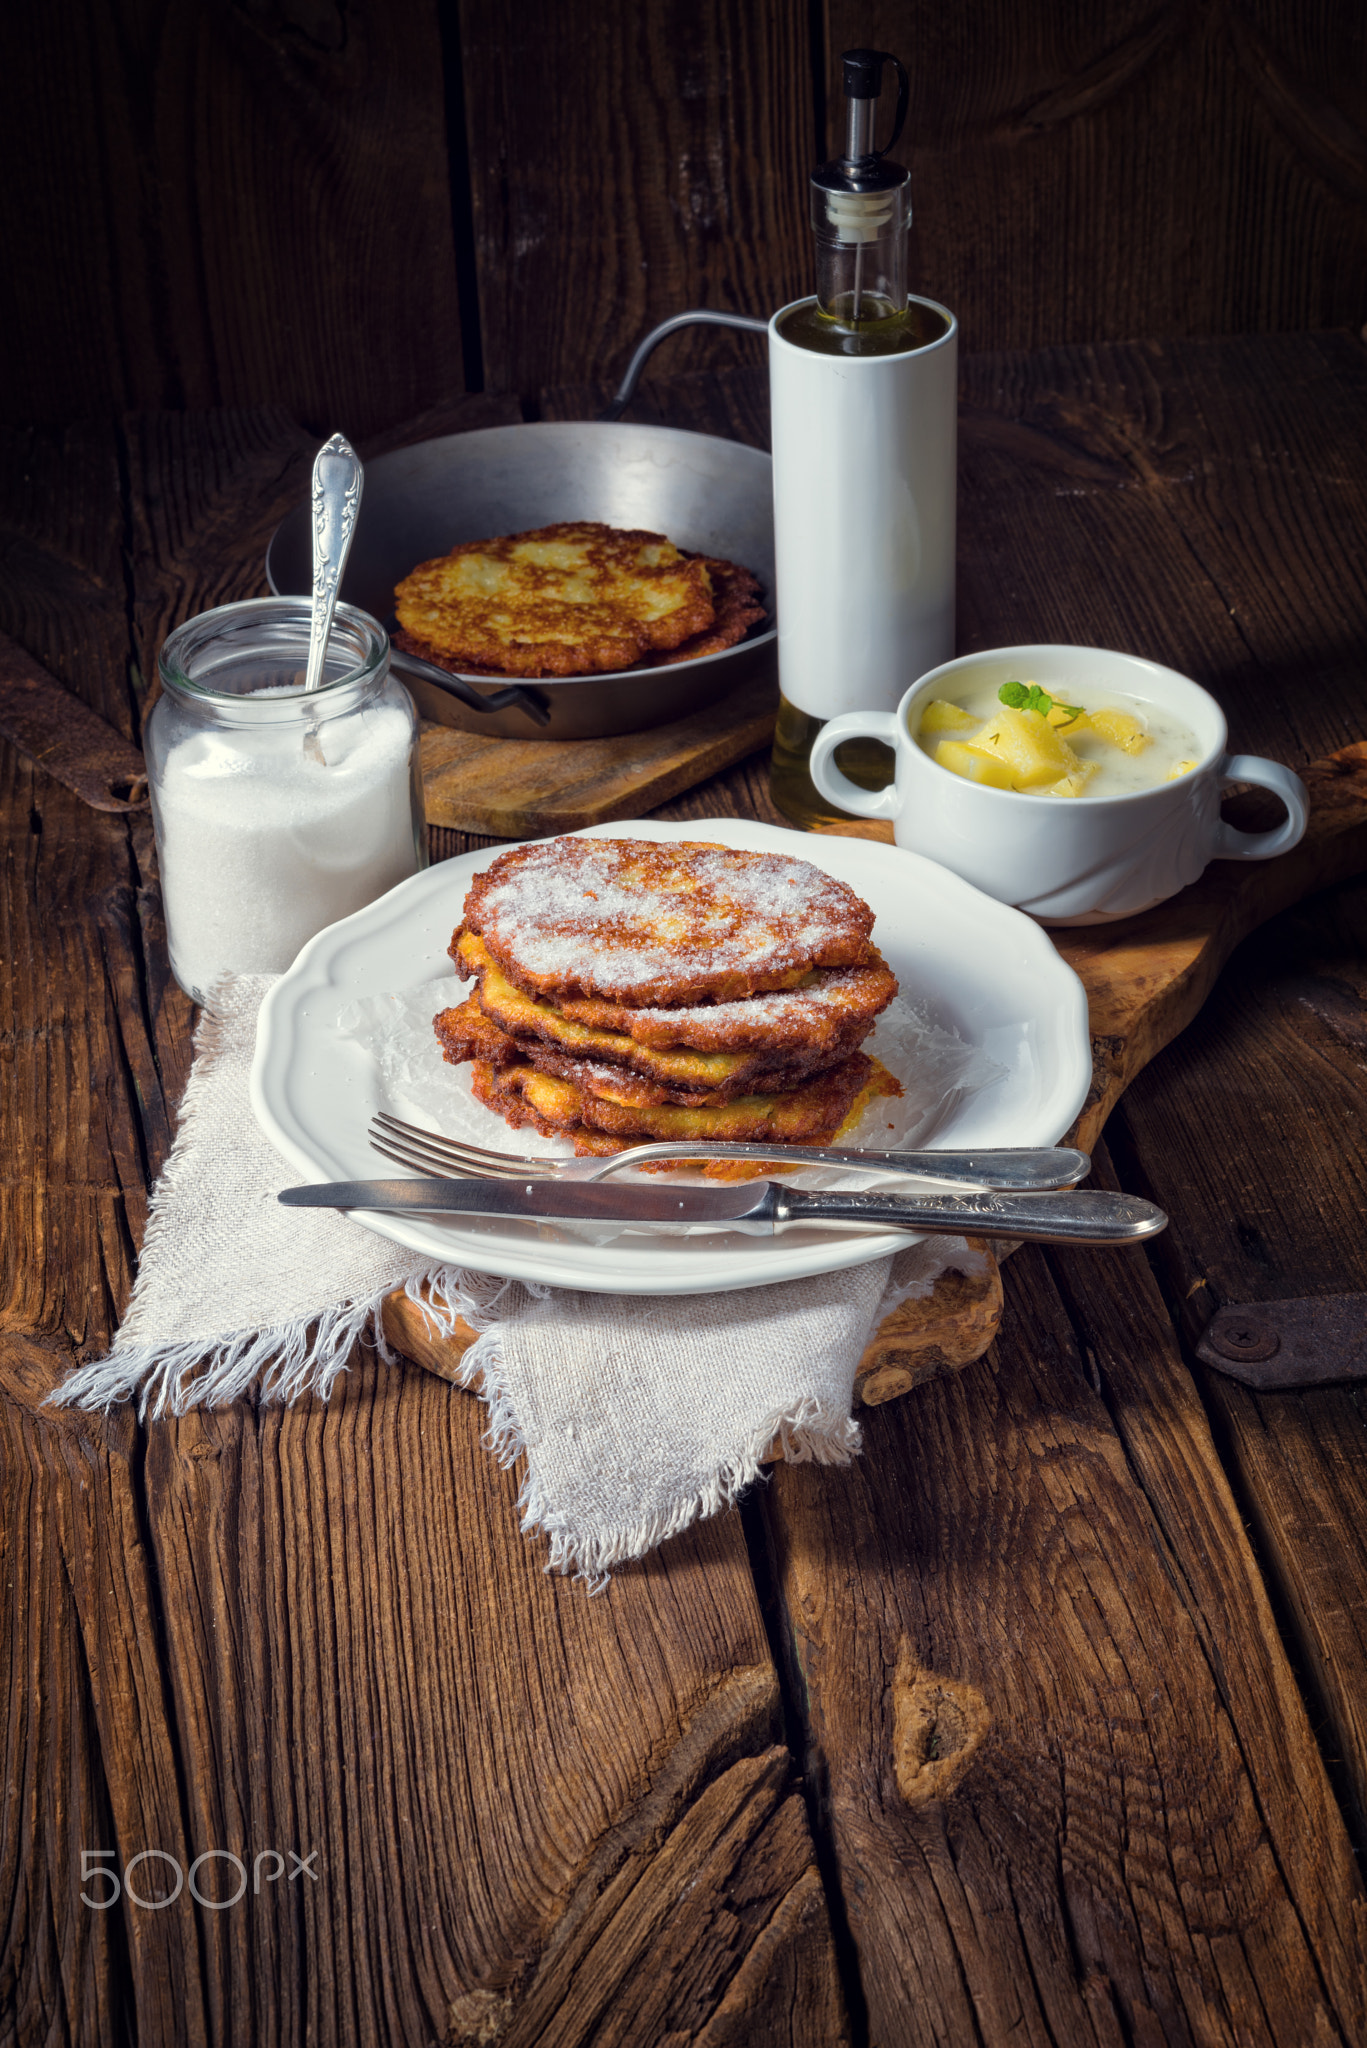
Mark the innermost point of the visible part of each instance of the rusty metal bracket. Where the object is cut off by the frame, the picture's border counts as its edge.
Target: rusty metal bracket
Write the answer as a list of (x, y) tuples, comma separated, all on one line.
[(1280, 1344), (65, 737)]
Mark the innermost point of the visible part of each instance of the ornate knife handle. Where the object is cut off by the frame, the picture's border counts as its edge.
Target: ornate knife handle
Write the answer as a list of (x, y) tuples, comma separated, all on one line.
[(1086, 1218)]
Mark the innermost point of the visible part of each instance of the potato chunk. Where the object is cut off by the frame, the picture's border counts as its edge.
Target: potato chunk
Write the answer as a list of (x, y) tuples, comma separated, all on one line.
[(1074, 784), (973, 764), (1117, 728), (941, 716), (1030, 748)]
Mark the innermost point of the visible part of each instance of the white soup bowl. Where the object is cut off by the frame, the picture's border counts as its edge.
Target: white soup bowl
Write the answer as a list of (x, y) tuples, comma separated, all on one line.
[(1064, 860)]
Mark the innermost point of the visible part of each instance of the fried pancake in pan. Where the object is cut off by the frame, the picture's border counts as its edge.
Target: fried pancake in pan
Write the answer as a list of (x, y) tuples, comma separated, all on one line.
[(809, 1114), (651, 923), (578, 598), (736, 595)]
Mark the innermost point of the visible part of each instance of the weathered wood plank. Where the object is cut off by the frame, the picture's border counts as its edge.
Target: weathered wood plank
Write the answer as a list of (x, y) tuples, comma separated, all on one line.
[(251, 208), (101, 1702), (1268, 1187), (1267, 1198), (69, 1131), (626, 162), (1070, 1786), (1156, 1407), (529, 789), (84, 1114), (564, 1814), (1299, 1462), (67, 740), (60, 1975), (62, 593)]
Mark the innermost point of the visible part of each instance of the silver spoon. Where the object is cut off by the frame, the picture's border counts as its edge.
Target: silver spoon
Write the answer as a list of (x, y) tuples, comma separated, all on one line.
[(337, 481)]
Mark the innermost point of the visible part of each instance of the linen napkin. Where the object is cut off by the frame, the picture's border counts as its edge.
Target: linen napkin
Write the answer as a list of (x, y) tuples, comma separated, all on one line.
[(634, 1415)]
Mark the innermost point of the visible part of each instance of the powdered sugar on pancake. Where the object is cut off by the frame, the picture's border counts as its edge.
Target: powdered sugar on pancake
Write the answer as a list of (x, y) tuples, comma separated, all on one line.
[(648, 923), (828, 1005)]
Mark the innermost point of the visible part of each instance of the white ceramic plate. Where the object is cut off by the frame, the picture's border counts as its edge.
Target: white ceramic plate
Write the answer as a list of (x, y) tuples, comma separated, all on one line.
[(979, 968)]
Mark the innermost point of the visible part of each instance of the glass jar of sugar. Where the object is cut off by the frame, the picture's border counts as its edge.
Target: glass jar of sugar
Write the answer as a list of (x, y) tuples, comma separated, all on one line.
[(277, 811)]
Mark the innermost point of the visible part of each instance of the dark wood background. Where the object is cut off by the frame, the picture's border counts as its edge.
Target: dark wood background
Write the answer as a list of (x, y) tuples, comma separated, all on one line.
[(356, 209)]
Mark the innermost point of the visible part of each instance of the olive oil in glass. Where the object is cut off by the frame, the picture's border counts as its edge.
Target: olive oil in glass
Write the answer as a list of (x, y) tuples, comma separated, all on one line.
[(880, 330)]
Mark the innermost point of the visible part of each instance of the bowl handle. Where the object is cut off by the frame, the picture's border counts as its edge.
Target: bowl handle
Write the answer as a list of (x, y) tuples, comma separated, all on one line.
[(836, 787), (1230, 843)]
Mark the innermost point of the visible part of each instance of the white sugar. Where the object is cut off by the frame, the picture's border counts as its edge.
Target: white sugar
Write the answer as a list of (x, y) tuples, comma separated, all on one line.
[(264, 839)]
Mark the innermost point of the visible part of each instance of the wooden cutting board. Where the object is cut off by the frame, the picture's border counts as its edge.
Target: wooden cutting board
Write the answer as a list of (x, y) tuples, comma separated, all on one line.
[(528, 789), (1145, 978)]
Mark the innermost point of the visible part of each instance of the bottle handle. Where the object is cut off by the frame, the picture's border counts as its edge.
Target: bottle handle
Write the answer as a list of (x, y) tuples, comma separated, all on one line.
[(899, 119), (862, 77), (837, 787), (1232, 844)]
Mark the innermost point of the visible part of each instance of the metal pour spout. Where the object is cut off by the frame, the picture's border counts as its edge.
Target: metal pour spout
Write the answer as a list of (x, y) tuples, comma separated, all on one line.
[(860, 205), (862, 72)]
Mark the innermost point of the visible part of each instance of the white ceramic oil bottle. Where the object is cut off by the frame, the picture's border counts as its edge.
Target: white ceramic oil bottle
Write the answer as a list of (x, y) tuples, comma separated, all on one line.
[(863, 382)]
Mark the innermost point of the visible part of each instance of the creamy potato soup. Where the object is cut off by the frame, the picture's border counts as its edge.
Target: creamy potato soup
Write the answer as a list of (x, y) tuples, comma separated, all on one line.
[(1023, 738)]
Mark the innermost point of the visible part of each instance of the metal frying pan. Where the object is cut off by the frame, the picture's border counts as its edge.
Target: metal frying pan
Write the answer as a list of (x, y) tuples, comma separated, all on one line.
[(710, 496)]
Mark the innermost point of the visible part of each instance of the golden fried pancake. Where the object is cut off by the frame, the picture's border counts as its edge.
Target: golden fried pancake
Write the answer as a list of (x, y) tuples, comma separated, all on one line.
[(787, 1052), (579, 598), (736, 595), (518, 1111), (554, 1106), (647, 923), (480, 1030), (826, 1006)]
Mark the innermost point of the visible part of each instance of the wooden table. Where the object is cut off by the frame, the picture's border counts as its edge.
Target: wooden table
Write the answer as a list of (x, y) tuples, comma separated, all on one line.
[(1045, 1722)]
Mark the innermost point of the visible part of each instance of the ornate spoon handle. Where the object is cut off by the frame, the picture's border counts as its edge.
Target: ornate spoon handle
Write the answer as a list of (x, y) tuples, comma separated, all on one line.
[(337, 480)]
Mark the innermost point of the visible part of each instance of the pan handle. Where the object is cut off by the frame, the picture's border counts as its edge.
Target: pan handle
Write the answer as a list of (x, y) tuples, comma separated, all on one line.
[(515, 698), (699, 317)]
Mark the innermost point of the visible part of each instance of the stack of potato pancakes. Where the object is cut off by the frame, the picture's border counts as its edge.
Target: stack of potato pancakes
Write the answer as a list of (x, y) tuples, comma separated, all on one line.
[(630, 990)]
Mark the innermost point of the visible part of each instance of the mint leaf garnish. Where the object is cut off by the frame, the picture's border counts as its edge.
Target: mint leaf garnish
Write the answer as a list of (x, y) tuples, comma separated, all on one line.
[(1017, 697)]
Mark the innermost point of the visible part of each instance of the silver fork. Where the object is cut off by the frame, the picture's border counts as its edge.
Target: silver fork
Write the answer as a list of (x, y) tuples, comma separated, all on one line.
[(1018, 1171)]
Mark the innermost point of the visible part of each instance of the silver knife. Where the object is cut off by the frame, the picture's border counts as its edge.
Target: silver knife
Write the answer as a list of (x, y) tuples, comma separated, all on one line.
[(760, 1208)]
